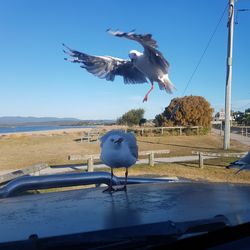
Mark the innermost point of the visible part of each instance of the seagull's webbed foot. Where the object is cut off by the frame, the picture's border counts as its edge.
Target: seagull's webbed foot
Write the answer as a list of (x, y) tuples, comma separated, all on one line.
[(145, 98), (110, 189), (124, 188)]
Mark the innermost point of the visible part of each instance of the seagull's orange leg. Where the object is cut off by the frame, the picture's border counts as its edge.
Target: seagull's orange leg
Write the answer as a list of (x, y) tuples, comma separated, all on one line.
[(126, 179), (146, 96), (125, 185)]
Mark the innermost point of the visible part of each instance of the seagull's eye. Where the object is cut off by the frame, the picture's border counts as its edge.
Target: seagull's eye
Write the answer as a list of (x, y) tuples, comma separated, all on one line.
[(134, 54), (112, 140)]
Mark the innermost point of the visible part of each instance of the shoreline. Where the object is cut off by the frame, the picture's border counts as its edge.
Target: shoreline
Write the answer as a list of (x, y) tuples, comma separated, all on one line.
[(59, 131), (48, 132)]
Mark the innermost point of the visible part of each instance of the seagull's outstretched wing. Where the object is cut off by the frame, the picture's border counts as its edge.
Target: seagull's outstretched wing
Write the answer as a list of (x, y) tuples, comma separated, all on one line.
[(243, 163), (106, 66), (150, 47)]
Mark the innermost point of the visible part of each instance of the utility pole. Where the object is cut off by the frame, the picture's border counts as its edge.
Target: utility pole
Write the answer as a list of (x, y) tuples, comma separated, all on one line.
[(229, 74)]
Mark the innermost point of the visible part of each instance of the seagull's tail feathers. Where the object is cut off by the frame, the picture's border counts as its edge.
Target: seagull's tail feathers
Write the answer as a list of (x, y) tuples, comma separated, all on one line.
[(167, 84)]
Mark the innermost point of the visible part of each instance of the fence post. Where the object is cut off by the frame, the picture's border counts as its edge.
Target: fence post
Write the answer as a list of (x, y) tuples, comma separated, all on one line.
[(90, 163), (151, 159), (201, 160), (180, 130), (142, 132)]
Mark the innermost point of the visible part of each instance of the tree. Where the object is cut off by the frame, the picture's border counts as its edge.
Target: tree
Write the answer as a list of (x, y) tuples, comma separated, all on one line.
[(160, 120), (132, 117), (246, 119), (238, 116), (186, 111), (243, 118), (217, 115), (142, 121)]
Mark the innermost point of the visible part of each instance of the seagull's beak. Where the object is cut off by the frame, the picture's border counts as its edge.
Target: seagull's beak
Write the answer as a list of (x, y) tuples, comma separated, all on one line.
[(119, 140)]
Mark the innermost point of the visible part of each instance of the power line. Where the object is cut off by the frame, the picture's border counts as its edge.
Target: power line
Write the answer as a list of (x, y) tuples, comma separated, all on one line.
[(205, 50), (200, 60), (245, 105), (237, 11)]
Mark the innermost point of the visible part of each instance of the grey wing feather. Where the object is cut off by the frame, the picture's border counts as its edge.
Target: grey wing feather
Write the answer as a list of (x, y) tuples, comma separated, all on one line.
[(150, 47), (242, 168), (132, 144), (106, 66), (144, 40), (130, 73), (243, 162)]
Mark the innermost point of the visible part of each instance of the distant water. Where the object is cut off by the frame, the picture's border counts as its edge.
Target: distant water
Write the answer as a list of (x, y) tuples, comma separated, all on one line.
[(15, 129)]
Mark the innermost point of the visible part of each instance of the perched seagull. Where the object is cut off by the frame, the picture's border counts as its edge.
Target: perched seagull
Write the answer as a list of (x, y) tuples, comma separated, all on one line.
[(243, 163), (118, 149), (150, 64)]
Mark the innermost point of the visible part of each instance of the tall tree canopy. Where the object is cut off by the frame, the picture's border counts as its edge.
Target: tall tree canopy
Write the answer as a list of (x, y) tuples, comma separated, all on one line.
[(132, 117), (186, 111)]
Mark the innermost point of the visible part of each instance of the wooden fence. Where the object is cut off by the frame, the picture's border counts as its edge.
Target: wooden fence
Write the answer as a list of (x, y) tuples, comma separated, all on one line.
[(162, 129), (244, 130), (202, 154), (90, 158), (91, 136)]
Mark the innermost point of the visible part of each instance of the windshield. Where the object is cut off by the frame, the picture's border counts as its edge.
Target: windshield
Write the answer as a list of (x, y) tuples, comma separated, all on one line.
[(124, 118)]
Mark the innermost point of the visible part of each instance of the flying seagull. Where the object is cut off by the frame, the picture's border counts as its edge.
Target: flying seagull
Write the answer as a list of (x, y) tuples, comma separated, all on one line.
[(149, 65), (118, 149), (243, 163)]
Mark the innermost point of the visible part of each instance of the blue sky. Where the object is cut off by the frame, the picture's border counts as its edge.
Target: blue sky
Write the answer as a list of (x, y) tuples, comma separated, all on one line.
[(36, 81)]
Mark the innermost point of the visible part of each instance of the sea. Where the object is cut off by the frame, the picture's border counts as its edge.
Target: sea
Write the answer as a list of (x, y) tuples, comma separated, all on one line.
[(16, 129)]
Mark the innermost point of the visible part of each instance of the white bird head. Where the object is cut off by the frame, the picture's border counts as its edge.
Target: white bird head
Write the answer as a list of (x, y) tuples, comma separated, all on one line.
[(133, 54), (115, 141)]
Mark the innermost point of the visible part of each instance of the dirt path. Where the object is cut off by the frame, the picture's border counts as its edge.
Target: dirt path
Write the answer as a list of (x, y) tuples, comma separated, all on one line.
[(242, 139)]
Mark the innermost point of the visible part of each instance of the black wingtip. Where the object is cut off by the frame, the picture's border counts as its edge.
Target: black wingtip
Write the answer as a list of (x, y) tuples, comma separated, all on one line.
[(110, 31), (64, 45), (113, 32)]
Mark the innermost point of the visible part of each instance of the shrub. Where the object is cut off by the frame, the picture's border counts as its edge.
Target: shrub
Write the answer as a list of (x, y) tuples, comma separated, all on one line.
[(186, 111)]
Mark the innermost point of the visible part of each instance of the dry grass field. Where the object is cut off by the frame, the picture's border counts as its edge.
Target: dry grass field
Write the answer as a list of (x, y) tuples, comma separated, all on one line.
[(22, 150), (189, 170)]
